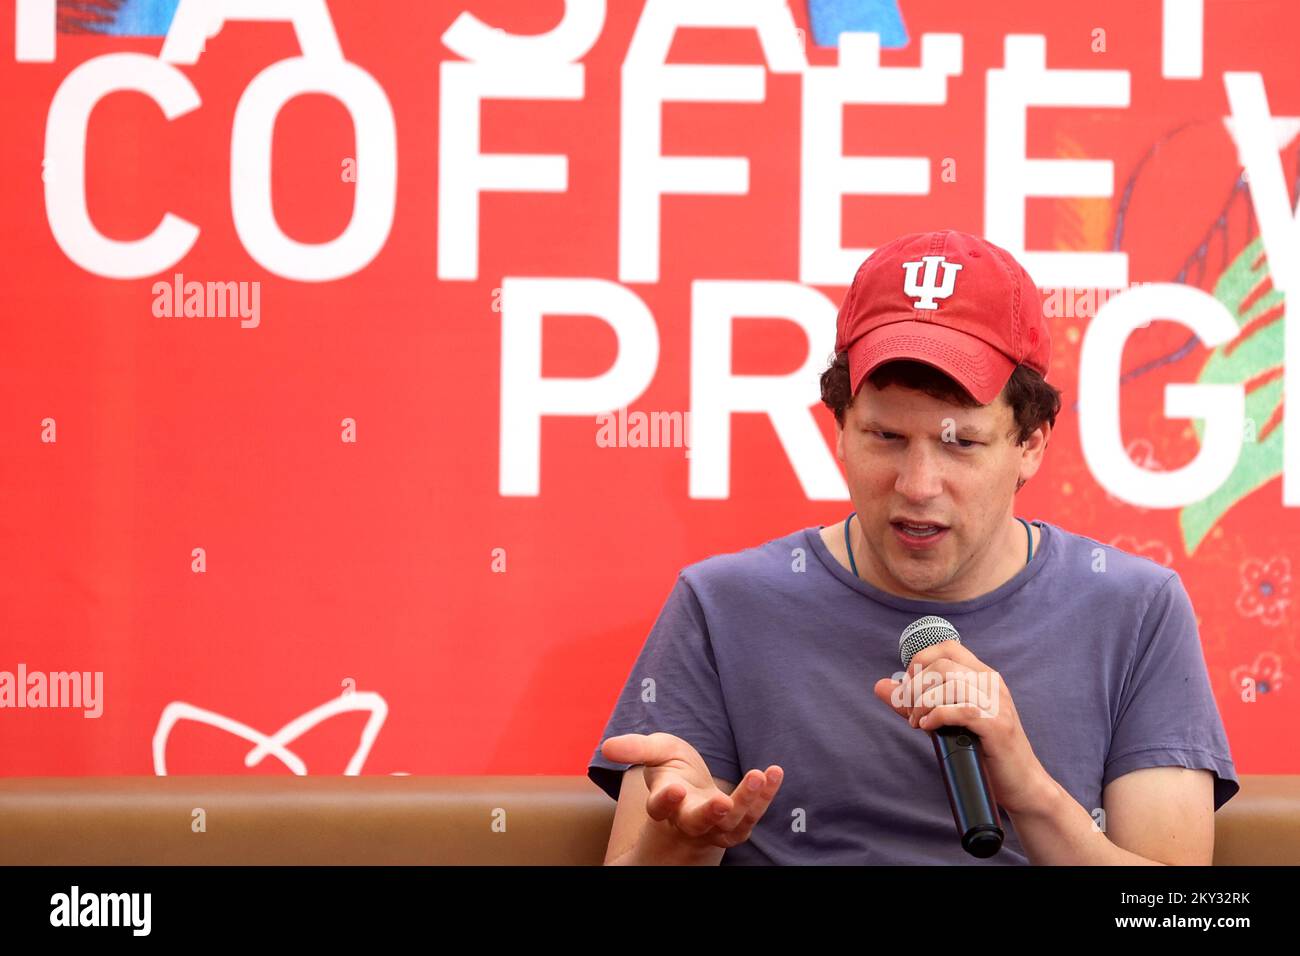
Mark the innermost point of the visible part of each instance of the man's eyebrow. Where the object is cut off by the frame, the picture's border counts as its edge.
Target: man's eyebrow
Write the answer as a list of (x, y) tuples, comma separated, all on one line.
[(964, 430)]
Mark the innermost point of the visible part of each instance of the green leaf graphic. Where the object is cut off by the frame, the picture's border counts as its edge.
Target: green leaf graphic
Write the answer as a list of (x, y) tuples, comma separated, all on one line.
[(1260, 461)]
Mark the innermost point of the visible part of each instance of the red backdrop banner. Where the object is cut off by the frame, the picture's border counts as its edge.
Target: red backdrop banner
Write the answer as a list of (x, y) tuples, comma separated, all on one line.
[(370, 370)]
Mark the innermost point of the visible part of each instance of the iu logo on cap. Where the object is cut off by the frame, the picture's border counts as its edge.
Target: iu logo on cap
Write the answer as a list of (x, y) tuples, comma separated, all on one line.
[(928, 290)]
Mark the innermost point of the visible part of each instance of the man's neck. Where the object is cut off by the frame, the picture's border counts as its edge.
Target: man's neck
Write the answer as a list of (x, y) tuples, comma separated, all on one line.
[(833, 537)]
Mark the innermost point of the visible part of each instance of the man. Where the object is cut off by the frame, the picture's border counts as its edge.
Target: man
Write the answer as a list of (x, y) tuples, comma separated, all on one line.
[(760, 723)]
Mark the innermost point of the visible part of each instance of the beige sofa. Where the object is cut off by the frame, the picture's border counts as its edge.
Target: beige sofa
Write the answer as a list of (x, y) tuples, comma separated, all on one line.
[(412, 820)]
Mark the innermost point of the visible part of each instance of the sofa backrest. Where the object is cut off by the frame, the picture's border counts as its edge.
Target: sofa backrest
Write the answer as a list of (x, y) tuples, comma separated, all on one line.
[(379, 820)]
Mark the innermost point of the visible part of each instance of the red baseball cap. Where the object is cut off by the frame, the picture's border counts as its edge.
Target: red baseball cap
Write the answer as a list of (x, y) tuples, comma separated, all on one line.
[(951, 300)]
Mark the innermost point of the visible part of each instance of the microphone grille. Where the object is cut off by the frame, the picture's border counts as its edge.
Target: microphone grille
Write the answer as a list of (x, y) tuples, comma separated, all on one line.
[(922, 633)]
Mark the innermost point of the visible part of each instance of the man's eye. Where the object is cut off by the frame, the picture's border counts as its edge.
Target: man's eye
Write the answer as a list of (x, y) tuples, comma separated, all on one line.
[(967, 443), (885, 435)]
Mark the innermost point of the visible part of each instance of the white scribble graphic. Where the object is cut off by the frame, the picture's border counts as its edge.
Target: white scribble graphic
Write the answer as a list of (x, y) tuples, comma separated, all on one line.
[(276, 744)]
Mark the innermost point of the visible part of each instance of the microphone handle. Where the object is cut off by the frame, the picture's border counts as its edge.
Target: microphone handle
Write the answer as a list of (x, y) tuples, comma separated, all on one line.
[(970, 793)]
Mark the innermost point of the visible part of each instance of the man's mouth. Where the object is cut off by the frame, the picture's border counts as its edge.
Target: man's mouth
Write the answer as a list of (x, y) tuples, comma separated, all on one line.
[(918, 536), (919, 529)]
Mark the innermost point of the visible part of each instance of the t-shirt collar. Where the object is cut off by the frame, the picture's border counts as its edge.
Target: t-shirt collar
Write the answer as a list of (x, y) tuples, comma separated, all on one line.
[(1042, 553)]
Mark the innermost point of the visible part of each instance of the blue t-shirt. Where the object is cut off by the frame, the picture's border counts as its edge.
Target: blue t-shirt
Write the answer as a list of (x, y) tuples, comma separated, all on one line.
[(769, 655)]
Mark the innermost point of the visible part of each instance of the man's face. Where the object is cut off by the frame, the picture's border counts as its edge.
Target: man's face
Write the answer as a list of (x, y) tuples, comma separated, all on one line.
[(910, 457)]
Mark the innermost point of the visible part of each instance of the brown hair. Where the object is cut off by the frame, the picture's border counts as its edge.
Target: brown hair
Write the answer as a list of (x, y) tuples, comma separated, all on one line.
[(1033, 401)]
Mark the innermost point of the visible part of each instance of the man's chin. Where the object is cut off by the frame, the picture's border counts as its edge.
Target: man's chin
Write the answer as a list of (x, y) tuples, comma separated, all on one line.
[(905, 573)]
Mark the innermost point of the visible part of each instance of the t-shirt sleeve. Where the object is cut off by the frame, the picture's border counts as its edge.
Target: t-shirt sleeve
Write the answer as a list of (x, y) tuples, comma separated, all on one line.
[(1167, 715), (673, 688)]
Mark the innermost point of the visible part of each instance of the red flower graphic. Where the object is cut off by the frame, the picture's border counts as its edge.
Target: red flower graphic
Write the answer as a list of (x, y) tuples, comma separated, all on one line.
[(1266, 590), (1266, 672), (1157, 551)]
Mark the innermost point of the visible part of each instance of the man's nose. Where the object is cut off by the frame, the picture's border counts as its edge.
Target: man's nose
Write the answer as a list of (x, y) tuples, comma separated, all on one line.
[(920, 476)]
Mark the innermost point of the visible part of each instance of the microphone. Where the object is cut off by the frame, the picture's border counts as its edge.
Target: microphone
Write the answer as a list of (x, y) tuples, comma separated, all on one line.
[(961, 761)]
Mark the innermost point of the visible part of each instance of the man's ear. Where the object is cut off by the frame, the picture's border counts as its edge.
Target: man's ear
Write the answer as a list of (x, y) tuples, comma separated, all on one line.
[(839, 439), (1035, 447)]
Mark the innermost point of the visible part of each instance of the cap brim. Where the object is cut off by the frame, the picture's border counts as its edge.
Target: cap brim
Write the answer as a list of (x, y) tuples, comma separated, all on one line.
[(975, 365)]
